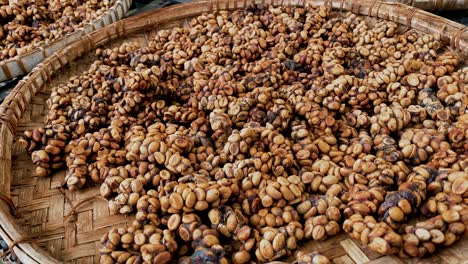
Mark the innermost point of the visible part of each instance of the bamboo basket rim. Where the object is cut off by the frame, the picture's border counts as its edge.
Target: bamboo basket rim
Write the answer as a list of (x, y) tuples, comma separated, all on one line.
[(435, 5), (14, 105), (24, 63)]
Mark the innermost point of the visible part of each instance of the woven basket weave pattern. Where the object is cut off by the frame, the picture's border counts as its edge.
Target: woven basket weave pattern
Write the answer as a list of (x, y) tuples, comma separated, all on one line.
[(435, 5)]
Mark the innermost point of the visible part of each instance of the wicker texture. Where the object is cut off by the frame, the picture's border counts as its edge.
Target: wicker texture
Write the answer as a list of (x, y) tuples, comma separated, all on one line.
[(69, 225), (23, 64), (435, 5)]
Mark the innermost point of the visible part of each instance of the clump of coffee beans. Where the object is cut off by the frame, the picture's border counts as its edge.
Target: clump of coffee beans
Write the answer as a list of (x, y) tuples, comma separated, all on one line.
[(241, 136), (27, 25)]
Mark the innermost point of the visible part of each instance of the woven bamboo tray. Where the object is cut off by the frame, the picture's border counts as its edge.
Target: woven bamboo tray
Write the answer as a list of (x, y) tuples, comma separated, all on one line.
[(22, 64), (51, 225), (435, 5)]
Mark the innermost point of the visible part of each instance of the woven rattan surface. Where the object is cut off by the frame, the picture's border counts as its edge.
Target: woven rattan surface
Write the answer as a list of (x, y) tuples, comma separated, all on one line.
[(65, 226), (435, 5)]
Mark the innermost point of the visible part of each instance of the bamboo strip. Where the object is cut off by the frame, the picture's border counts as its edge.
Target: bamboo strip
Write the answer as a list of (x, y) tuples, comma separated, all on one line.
[(26, 252), (435, 5)]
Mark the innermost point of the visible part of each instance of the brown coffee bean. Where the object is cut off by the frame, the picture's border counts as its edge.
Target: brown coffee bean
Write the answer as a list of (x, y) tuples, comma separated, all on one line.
[(176, 201), (174, 222), (140, 239), (379, 245), (396, 214), (423, 234), (127, 238), (437, 236), (266, 249), (450, 216), (212, 195)]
